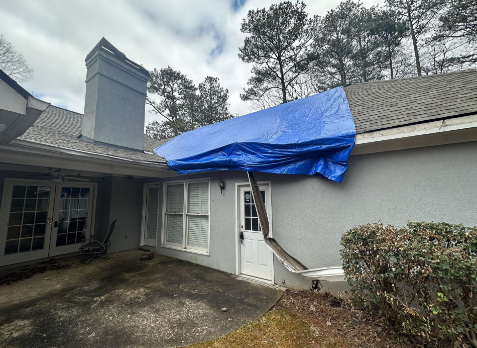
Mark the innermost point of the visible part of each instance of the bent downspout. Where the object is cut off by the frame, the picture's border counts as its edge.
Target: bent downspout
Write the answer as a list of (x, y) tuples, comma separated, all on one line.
[(291, 264)]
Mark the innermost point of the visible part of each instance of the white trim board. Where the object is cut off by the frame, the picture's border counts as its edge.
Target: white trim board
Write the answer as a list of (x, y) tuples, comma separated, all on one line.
[(449, 131)]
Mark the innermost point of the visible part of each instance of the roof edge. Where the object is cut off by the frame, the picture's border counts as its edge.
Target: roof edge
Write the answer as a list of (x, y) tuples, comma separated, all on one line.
[(14, 84)]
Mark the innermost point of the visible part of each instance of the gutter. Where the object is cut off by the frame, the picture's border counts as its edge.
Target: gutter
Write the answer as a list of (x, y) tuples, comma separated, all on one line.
[(57, 149), (29, 153)]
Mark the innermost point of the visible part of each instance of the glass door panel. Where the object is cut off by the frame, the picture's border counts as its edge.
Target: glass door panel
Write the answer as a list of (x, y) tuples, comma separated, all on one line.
[(72, 216), (24, 228), (151, 214)]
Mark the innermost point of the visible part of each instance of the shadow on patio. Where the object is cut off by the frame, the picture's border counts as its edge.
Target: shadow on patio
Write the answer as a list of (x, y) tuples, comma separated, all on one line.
[(124, 302)]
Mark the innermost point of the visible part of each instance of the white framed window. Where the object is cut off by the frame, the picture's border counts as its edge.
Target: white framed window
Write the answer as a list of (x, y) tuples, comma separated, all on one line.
[(186, 216)]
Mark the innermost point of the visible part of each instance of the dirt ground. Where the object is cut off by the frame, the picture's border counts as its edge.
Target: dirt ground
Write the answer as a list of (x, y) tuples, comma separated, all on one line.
[(124, 302), (183, 299), (309, 319)]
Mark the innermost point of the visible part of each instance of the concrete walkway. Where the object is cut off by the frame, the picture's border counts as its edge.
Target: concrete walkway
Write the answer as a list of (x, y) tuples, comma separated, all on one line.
[(123, 302)]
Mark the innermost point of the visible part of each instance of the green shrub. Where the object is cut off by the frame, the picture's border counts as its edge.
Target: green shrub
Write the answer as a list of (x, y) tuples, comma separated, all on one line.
[(421, 279)]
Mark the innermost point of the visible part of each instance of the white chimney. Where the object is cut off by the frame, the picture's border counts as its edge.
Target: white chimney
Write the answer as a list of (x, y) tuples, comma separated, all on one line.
[(115, 98)]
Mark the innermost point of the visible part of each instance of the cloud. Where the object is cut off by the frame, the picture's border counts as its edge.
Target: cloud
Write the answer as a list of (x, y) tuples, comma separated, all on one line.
[(197, 37)]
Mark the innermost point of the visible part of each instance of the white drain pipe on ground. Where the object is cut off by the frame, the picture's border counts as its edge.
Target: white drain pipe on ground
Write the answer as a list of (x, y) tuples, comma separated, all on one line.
[(331, 274)]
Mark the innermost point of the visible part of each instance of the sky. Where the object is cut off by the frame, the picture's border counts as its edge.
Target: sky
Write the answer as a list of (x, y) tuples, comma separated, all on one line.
[(197, 37)]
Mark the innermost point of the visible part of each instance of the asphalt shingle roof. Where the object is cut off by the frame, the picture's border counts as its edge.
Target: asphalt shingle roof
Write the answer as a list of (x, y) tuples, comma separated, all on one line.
[(394, 103), (374, 106), (61, 128)]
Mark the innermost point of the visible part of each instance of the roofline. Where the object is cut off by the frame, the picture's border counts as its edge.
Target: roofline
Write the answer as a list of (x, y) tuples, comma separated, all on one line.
[(432, 133), (35, 154), (410, 78), (13, 84), (36, 145)]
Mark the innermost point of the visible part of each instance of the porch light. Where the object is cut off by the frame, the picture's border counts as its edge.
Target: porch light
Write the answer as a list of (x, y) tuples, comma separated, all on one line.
[(221, 184)]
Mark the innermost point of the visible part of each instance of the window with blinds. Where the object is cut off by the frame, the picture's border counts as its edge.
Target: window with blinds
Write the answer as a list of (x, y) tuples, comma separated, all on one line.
[(187, 216), (174, 214), (198, 215)]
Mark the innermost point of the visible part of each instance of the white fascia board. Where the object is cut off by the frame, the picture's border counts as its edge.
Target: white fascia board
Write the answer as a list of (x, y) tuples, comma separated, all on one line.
[(449, 131), (27, 153), (37, 104)]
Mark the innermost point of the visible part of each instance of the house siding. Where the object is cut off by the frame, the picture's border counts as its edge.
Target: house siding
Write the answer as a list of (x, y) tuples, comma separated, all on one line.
[(310, 214)]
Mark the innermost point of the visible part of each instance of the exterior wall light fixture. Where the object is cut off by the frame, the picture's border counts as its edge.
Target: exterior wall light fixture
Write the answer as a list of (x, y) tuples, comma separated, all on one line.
[(221, 184)]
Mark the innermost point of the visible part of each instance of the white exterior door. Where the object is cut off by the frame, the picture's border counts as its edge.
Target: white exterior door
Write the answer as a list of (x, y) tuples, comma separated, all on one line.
[(256, 259), (39, 219)]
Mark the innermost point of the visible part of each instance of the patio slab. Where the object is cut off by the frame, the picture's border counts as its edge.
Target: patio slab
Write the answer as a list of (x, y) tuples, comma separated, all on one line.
[(124, 302)]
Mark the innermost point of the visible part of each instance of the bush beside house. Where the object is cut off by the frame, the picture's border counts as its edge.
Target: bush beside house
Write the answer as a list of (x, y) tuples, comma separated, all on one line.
[(422, 278)]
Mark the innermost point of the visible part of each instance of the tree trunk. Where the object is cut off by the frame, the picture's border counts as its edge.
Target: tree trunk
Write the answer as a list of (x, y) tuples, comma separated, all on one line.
[(282, 81), (342, 71), (390, 62), (414, 41)]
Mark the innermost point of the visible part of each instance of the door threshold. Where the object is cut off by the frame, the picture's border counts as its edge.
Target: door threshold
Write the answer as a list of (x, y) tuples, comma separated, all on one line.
[(260, 281)]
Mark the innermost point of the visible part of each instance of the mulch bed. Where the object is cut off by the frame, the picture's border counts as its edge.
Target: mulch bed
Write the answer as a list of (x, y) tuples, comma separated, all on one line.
[(336, 320), (29, 272)]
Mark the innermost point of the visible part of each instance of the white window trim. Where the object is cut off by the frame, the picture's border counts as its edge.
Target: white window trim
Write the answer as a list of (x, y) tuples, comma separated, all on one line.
[(184, 246)]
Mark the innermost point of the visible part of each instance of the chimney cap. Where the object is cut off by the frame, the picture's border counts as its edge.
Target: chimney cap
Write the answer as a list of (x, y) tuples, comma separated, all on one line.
[(105, 46)]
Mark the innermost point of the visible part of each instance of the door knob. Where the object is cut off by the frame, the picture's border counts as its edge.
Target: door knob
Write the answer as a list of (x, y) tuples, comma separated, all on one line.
[(55, 224), (241, 236)]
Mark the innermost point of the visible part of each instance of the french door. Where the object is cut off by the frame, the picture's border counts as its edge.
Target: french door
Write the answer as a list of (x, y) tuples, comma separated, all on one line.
[(150, 214), (39, 219)]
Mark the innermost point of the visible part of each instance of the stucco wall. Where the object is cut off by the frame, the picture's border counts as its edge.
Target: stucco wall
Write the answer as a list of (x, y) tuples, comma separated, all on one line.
[(310, 214), (126, 207), (222, 224)]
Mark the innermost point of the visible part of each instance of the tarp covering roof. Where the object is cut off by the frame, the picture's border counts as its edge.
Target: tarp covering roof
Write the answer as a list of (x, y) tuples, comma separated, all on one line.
[(312, 136)]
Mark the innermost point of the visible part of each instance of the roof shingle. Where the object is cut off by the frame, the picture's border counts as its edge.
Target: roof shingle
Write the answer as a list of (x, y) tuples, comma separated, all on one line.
[(379, 105), (61, 128)]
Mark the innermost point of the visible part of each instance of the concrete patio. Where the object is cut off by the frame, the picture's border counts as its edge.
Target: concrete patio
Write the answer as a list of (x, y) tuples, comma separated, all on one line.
[(124, 302)]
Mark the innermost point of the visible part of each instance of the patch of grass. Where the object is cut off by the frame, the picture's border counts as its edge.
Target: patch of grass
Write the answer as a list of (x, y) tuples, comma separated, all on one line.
[(274, 329)]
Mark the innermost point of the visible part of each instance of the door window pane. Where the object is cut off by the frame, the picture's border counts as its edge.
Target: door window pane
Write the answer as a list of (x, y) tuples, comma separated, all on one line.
[(39, 230), (32, 192), (61, 239), (17, 204), (25, 245), (84, 192), (81, 224), (11, 246), (42, 204), (255, 224), (30, 204), (40, 217), (27, 231), (15, 219), (19, 192), (28, 218), (38, 243), (13, 232)]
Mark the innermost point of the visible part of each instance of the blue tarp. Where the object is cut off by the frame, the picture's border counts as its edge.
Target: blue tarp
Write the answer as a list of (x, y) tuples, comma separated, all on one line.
[(313, 136)]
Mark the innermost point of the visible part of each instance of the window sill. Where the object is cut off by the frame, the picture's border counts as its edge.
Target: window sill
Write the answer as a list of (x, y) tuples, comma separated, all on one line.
[(192, 251)]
